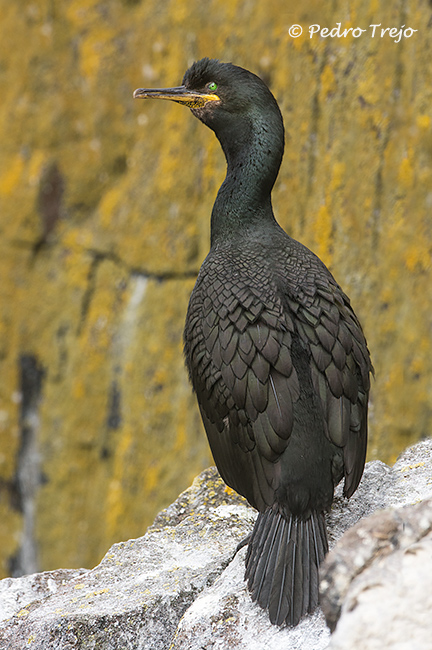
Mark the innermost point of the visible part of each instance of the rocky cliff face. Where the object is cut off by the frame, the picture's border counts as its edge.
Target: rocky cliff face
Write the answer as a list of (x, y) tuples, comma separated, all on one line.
[(181, 585), (104, 220)]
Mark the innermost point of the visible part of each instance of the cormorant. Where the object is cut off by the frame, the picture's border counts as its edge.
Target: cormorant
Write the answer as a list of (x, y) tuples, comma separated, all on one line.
[(275, 353)]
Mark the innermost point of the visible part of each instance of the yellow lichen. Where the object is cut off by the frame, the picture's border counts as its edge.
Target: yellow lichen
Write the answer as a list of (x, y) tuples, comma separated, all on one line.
[(406, 172), (95, 48), (423, 122), (322, 232), (328, 82), (10, 179), (23, 612)]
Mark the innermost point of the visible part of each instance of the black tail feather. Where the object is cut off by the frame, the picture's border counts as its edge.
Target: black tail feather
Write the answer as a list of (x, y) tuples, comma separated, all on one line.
[(282, 562), (255, 546)]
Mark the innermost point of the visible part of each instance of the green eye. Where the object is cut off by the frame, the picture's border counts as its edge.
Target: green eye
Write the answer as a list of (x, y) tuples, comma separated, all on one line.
[(212, 86)]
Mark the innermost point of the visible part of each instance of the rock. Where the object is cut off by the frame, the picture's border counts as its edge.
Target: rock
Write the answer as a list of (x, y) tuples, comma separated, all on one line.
[(377, 579), (135, 597), (181, 585), (224, 616), (16, 593)]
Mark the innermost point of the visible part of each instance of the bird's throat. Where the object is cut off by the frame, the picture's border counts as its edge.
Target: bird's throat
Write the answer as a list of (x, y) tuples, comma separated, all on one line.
[(243, 202)]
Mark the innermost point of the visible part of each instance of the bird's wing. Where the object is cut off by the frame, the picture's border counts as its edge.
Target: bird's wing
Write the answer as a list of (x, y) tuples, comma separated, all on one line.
[(242, 372), (240, 352), (340, 368)]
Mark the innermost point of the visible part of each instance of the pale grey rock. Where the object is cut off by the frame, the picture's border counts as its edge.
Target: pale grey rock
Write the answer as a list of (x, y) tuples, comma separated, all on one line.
[(412, 476), (16, 593), (224, 616), (376, 583), (181, 585), (136, 596), (381, 575), (370, 495)]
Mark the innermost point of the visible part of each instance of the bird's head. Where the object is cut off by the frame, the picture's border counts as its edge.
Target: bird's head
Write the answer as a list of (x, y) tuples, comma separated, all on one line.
[(217, 93)]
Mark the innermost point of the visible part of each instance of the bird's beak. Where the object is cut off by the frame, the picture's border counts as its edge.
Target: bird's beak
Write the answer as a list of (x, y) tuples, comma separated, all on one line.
[(181, 94)]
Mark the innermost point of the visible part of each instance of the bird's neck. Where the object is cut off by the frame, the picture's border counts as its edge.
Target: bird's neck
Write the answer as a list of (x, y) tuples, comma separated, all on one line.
[(253, 150)]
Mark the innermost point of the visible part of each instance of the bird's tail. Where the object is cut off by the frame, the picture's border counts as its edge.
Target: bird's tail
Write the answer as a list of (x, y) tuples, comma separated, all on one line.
[(282, 562)]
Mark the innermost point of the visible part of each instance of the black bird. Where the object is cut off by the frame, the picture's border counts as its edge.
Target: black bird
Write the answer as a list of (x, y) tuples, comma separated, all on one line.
[(275, 353)]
